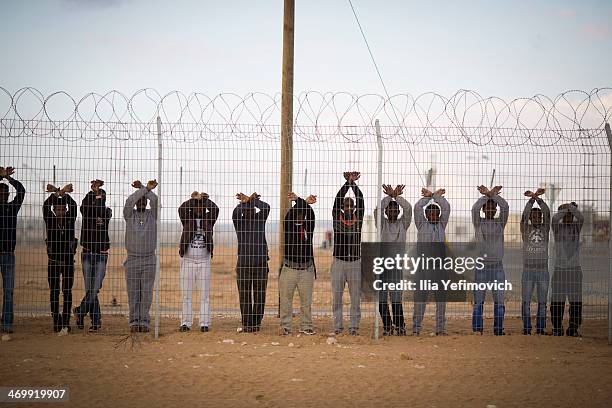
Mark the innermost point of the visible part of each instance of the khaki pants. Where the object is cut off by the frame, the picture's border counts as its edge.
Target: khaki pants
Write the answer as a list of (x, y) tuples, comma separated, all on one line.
[(289, 280)]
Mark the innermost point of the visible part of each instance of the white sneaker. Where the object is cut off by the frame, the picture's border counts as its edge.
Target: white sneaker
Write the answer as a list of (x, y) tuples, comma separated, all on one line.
[(6, 337), (63, 332)]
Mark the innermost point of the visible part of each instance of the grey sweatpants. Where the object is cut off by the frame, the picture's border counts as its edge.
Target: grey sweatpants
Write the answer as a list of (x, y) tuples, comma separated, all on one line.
[(289, 280), (343, 272), (140, 278)]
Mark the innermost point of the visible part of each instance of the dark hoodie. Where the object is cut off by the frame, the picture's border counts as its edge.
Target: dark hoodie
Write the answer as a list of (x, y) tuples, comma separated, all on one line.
[(188, 219), (96, 218), (8, 218), (61, 242)]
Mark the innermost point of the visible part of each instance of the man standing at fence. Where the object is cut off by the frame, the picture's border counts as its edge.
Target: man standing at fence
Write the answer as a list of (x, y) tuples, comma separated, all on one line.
[(140, 243), (198, 216), (249, 218), (489, 233), (431, 215), (393, 229), (535, 232), (347, 215), (8, 241), (567, 277), (94, 257), (299, 270), (59, 214)]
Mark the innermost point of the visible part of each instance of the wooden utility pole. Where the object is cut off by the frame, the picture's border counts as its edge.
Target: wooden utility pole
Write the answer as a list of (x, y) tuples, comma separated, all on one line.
[(286, 165)]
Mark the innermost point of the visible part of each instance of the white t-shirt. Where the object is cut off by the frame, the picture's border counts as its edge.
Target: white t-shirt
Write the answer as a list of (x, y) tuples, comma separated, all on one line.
[(197, 248)]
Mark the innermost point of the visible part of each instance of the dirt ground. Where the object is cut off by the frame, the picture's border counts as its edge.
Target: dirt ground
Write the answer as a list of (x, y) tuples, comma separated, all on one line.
[(225, 368)]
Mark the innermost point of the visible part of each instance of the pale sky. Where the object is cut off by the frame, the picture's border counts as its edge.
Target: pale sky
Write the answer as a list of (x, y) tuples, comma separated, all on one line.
[(508, 49)]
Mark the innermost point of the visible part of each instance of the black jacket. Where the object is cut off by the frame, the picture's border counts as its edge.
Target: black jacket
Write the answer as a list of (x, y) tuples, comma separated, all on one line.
[(347, 232), (61, 242), (96, 218), (251, 233), (186, 214), (298, 237), (8, 218)]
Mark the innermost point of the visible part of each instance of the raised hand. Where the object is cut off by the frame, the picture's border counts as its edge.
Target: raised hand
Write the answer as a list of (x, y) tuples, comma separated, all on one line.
[(292, 196), (6, 172), (2, 172), (137, 184), (540, 191), (388, 190), (196, 196), (495, 191), (529, 193), (440, 192), (243, 198), (426, 193), (204, 196), (483, 190), (151, 184), (66, 189), (52, 189), (311, 199), (355, 175), (399, 190), (95, 185), (255, 196)]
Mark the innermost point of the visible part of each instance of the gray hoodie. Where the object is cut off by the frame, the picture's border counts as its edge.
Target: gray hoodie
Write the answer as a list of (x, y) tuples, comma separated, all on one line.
[(394, 231), (535, 237), (430, 231), (140, 227), (490, 233), (567, 238)]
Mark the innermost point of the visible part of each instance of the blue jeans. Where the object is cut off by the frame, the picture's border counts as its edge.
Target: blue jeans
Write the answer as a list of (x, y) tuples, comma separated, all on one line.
[(489, 273), (539, 279), (7, 267), (94, 270)]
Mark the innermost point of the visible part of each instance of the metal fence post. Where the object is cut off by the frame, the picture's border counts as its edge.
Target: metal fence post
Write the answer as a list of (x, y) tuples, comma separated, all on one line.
[(378, 219), (157, 226), (609, 134)]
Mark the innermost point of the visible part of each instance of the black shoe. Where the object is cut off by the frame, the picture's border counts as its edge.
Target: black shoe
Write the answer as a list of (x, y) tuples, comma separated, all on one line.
[(400, 331), (94, 328), (79, 318), (557, 332), (134, 329), (541, 332), (204, 329), (572, 332), (308, 332), (441, 333), (338, 331), (353, 332), (526, 332), (387, 332), (247, 329), (143, 329), (7, 330), (499, 333), (184, 328), (256, 329), (285, 332)]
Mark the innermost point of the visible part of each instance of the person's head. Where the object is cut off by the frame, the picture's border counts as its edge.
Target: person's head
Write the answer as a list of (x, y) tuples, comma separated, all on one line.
[(432, 213), (141, 204), (60, 210), (568, 218), (490, 209), (536, 216), (392, 211), (348, 205), (4, 193)]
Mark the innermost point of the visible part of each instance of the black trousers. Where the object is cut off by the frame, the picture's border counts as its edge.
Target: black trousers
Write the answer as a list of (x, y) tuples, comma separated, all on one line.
[(557, 310), (252, 283), (398, 315), (60, 277)]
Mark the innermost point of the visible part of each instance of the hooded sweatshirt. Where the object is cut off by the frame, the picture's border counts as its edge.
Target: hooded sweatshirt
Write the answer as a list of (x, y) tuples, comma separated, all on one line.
[(140, 226), (535, 237)]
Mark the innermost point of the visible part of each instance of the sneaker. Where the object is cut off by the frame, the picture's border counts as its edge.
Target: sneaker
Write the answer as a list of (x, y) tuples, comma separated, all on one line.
[(204, 329), (337, 332), (184, 328), (387, 332), (479, 332), (441, 333), (499, 333), (541, 332), (285, 332), (400, 331), (308, 332), (416, 333), (143, 329), (526, 332), (7, 330), (134, 329), (63, 332), (79, 318), (557, 332), (353, 332), (94, 329)]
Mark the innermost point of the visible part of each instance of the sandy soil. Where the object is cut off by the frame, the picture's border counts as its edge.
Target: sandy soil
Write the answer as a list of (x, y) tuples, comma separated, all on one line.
[(204, 369)]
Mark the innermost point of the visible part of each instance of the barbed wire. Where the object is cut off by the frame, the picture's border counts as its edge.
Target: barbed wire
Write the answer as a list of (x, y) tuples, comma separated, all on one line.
[(466, 116)]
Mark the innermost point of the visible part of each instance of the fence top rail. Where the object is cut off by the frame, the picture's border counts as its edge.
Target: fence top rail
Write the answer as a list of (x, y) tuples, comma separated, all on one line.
[(573, 116)]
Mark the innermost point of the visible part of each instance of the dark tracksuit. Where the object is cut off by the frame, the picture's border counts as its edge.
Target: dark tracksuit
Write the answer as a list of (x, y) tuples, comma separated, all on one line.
[(61, 248), (8, 241), (252, 264)]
